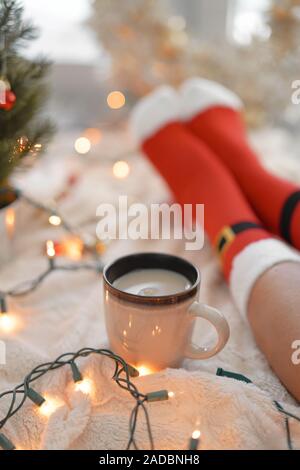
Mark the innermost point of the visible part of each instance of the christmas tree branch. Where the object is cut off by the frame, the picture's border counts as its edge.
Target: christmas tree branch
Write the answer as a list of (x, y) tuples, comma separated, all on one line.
[(22, 132)]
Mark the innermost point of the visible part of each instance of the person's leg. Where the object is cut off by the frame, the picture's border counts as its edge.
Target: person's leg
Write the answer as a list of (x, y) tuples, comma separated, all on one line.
[(195, 176), (274, 315), (265, 287), (212, 113), (246, 250)]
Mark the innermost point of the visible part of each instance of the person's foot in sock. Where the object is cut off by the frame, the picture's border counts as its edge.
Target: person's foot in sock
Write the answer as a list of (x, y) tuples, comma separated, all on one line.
[(195, 175), (212, 113), (262, 271)]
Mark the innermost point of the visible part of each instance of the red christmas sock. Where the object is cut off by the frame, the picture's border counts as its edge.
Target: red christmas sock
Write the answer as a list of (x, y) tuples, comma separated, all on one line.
[(212, 113), (195, 176)]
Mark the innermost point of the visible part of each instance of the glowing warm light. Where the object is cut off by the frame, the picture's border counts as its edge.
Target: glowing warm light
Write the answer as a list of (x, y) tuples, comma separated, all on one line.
[(82, 145), (23, 143), (121, 169), (10, 220), (8, 322), (49, 406), (100, 247), (144, 370), (36, 149), (50, 248), (196, 434), (116, 100), (171, 394), (85, 386), (73, 248), (93, 134), (55, 220)]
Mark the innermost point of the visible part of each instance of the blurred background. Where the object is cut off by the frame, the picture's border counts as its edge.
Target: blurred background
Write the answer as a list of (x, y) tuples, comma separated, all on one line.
[(99, 46), (106, 54)]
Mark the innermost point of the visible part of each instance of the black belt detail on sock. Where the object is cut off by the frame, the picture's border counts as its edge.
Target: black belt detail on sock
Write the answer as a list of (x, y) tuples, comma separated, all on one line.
[(287, 214), (236, 229)]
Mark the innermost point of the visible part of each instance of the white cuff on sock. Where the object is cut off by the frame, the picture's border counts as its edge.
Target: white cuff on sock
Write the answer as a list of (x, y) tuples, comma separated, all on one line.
[(153, 112), (199, 94), (252, 262)]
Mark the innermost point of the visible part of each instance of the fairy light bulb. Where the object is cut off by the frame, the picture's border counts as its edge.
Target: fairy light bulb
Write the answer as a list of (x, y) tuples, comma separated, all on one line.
[(50, 249), (8, 322), (10, 220), (171, 395), (84, 386), (195, 440), (116, 99), (73, 248), (82, 145), (55, 220), (121, 169), (49, 406), (144, 370), (196, 434)]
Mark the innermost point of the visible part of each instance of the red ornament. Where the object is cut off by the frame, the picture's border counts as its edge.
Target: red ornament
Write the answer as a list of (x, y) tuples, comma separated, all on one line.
[(10, 97)]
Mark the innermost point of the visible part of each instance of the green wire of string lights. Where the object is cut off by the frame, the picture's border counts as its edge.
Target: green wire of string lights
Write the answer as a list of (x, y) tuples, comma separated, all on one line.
[(122, 376), (29, 286), (242, 378), (123, 372)]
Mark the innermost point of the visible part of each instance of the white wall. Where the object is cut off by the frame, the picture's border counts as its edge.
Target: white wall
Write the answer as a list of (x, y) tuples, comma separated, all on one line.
[(64, 36), (205, 18)]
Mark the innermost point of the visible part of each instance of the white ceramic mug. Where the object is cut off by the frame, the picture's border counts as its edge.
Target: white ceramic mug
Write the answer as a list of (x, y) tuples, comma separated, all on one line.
[(155, 331)]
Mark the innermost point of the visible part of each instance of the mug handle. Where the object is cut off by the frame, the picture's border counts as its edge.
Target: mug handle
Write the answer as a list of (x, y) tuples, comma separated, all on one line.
[(215, 317)]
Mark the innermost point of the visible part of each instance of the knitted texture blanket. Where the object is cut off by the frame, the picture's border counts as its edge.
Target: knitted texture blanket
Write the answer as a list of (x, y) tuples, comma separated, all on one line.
[(65, 314)]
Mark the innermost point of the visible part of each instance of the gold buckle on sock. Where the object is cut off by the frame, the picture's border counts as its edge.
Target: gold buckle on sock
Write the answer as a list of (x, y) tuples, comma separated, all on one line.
[(224, 239)]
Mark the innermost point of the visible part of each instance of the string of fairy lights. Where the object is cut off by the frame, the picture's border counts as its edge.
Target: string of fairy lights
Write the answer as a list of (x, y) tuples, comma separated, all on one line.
[(123, 376), (46, 405), (77, 244), (123, 371), (75, 247)]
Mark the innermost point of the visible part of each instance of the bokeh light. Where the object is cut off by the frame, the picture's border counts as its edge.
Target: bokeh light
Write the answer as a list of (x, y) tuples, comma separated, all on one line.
[(82, 145), (10, 220), (121, 169), (116, 99), (93, 134), (55, 220), (73, 248)]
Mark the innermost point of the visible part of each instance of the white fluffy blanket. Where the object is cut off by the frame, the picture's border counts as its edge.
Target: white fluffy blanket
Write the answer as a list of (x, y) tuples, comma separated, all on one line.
[(65, 314)]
